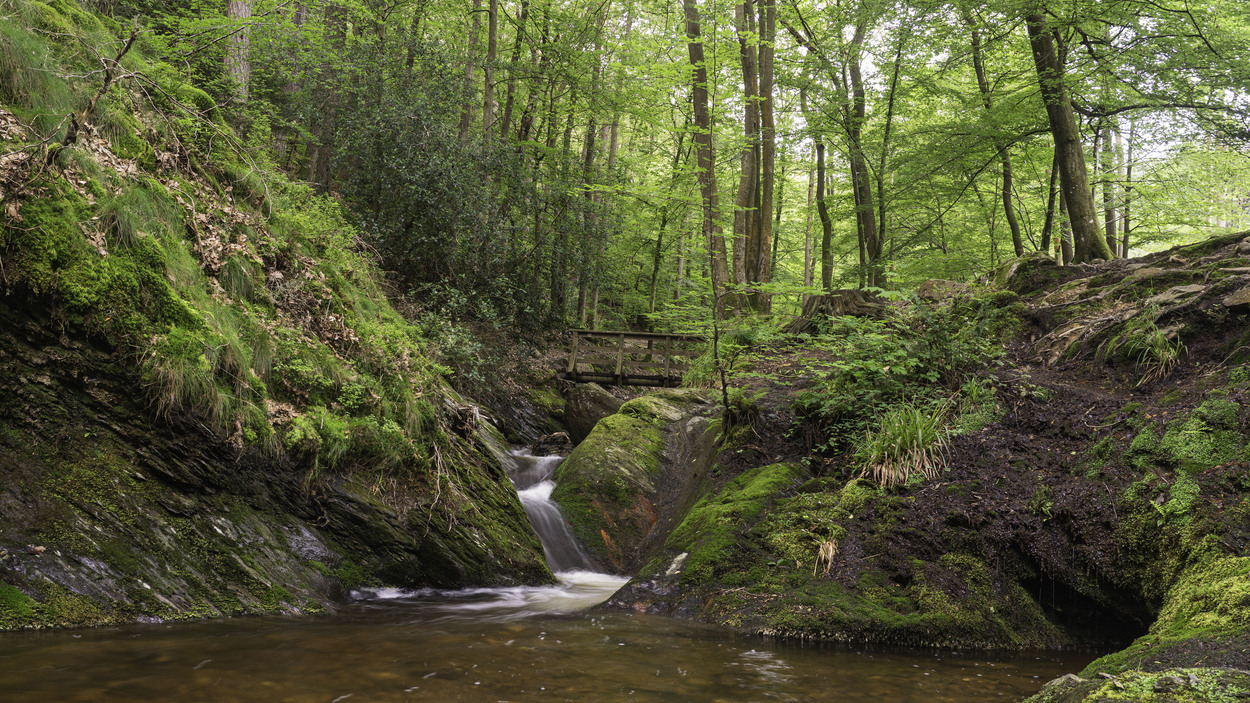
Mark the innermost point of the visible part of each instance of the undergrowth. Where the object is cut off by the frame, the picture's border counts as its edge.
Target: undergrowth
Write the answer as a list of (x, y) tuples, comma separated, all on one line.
[(246, 300), (892, 385)]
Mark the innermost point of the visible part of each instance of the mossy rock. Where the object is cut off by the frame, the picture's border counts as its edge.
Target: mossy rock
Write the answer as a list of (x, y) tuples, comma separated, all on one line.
[(1197, 684), (603, 486), (628, 483)]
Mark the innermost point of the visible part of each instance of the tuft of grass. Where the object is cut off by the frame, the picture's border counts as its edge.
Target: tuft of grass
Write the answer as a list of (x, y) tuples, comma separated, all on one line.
[(910, 441), (1158, 357), (136, 212), (825, 554), (238, 277), (1155, 352), (28, 74)]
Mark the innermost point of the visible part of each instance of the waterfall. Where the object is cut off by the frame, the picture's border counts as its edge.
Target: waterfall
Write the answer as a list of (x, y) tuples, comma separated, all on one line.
[(533, 479)]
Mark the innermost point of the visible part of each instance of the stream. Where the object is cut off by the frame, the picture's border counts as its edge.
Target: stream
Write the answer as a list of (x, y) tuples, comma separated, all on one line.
[(525, 643)]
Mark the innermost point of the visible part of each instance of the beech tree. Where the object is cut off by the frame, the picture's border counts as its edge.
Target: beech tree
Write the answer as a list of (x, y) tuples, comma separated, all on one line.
[(561, 162)]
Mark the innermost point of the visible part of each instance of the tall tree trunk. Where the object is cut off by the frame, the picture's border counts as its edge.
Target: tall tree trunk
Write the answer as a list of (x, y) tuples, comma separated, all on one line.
[(681, 265), (1004, 148), (1051, 203), (781, 196), (1088, 241), (1110, 173), (745, 215), (1067, 250), (1126, 227), (760, 269), (470, 62), (238, 55), (560, 245), (510, 99), (323, 125), (706, 168), (807, 232), (826, 224), (861, 177), (488, 91)]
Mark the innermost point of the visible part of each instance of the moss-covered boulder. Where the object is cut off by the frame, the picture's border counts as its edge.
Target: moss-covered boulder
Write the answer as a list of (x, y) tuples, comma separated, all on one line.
[(1197, 650), (629, 482), (770, 553), (585, 406)]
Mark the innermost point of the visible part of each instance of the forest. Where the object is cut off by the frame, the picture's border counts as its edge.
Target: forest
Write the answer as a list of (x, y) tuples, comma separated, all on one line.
[(957, 295), (612, 164)]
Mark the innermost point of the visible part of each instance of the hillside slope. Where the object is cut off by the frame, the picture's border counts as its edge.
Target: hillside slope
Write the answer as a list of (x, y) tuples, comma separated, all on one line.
[(1093, 488), (207, 404)]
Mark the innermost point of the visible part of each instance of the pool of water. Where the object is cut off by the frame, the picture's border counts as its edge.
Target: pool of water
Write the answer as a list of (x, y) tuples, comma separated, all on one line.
[(513, 644)]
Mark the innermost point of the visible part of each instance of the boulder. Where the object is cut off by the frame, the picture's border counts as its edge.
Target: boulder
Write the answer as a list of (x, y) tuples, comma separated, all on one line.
[(939, 289), (1238, 299), (627, 486), (556, 443), (585, 405)]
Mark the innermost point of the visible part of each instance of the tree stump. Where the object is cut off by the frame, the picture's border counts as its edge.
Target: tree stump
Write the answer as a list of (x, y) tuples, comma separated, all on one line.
[(847, 301)]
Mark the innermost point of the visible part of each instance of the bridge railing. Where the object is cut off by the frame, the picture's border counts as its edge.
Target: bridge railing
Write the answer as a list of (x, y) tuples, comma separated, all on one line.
[(631, 358)]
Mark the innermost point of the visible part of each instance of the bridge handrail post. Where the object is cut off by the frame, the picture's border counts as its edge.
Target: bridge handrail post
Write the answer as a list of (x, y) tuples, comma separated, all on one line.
[(573, 355), (620, 360)]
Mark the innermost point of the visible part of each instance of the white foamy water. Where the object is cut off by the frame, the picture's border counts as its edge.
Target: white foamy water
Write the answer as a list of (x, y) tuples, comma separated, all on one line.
[(578, 586)]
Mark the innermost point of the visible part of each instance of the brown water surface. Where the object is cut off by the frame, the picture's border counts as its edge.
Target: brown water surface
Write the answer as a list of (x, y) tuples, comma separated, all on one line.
[(521, 644)]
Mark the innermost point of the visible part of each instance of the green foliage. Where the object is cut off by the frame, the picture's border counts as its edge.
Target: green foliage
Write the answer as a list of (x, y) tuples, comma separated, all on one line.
[(915, 356), (1154, 351), (910, 442)]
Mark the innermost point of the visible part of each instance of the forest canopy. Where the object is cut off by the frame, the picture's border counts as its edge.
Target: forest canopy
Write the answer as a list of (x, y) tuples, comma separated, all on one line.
[(616, 163)]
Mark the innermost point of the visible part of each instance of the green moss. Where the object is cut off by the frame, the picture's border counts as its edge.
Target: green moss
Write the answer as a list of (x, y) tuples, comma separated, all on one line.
[(1219, 411), (17, 610), (53, 606), (1143, 449), (1239, 376), (547, 400), (1172, 397), (856, 494), (1173, 685), (1195, 444), (601, 486), (1211, 599), (710, 530)]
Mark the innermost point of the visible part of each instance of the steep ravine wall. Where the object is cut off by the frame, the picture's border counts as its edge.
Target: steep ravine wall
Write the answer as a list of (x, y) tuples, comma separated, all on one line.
[(109, 513)]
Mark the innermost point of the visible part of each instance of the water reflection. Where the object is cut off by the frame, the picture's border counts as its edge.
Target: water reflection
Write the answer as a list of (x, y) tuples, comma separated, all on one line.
[(485, 646), (575, 591)]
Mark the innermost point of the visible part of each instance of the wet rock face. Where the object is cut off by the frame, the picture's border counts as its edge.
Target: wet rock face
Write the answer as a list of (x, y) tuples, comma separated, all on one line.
[(108, 514), (585, 406), (556, 443), (628, 484)]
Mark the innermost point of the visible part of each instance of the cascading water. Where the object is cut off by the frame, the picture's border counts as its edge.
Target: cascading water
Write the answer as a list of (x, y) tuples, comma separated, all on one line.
[(579, 586), (534, 484)]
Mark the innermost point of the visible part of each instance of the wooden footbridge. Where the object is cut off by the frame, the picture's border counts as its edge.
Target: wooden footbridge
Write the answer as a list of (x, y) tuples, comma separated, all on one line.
[(631, 358)]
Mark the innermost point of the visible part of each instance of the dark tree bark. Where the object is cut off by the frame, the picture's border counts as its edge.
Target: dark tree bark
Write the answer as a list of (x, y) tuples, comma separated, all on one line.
[(706, 156), (489, 108), (759, 264), (826, 225), (470, 62), (1004, 148), (510, 100), (1051, 203), (1088, 242)]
